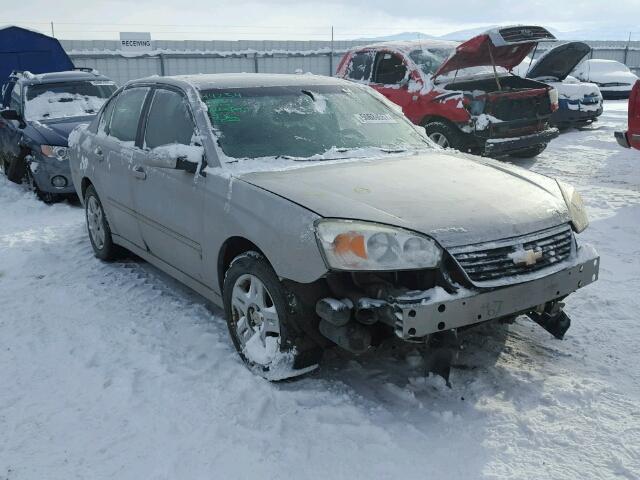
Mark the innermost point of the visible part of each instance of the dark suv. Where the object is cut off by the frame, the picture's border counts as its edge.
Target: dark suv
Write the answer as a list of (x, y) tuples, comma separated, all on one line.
[(38, 113)]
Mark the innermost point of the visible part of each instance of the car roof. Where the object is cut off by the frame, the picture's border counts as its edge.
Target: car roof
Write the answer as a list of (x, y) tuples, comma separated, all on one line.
[(242, 80), (57, 77)]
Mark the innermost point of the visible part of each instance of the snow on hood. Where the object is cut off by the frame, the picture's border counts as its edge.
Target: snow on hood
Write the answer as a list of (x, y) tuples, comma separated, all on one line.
[(455, 200)]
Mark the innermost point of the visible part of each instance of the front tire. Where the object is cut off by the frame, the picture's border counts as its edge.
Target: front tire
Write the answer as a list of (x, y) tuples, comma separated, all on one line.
[(98, 227), (445, 135), (16, 168), (260, 322)]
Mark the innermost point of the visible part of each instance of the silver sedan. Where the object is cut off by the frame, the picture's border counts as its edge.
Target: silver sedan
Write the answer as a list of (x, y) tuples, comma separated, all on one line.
[(316, 215)]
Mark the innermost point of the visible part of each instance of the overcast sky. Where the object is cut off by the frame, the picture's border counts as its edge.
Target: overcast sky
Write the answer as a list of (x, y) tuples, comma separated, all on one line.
[(310, 20)]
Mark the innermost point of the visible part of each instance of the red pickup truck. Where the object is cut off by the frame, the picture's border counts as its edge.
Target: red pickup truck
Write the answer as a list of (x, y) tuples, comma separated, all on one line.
[(631, 138), (464, 95)]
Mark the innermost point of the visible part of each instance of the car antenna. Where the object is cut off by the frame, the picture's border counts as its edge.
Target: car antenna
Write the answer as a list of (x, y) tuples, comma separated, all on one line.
[(493, 64)]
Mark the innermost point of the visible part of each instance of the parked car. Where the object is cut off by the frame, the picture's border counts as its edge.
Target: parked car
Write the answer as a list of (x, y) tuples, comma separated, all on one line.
[(39, 112), (631, 138), (580, 103), (614, 78), (464, 94), (315, 214)]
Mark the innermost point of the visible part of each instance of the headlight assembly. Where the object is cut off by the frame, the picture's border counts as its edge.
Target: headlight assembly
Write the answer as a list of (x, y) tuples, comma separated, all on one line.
[(574, 202), (354, 245), (54, 151)]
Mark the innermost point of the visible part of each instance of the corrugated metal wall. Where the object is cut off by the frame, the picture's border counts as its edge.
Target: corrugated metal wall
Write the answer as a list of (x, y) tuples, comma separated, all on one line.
[(175, 57)]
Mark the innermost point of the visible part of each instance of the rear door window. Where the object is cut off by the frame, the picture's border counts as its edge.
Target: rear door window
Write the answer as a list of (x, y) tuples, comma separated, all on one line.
[(390, 69), (126, 114), (360, 66), (169, 121)]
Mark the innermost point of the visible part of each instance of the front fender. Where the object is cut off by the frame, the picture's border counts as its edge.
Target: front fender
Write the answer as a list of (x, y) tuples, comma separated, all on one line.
[(281, 229)]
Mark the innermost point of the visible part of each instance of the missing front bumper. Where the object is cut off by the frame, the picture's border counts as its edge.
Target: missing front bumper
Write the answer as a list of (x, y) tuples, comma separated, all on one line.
[(429, 315)]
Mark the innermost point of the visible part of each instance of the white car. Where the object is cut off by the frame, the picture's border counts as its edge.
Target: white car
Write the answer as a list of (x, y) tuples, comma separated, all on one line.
[(614, 78)]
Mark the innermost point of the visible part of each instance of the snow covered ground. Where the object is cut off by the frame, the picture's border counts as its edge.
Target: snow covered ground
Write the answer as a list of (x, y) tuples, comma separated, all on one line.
[(116, 371)]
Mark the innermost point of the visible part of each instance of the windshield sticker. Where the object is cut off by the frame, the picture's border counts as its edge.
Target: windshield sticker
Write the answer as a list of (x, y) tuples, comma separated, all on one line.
[(223, 110), (375, 118), (101, 82)]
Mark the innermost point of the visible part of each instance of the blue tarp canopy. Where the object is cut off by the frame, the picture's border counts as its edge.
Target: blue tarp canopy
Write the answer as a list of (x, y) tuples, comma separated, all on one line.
[(22, 49)]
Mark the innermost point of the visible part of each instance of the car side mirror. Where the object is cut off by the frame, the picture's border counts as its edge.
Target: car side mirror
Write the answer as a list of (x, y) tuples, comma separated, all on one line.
[(176, 157), (12, 115)]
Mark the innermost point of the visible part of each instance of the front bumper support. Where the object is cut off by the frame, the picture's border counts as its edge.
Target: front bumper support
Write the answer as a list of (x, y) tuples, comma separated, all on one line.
[(503, 146), (425, 316)]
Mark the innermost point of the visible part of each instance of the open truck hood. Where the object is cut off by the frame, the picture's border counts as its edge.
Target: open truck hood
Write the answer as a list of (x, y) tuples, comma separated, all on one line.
[(507, 46), (560, 61), (453, 199)]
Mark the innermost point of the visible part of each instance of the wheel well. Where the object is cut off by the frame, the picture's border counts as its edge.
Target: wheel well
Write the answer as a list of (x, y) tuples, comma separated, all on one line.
[(434, 118), (84, 185), (231, 248)]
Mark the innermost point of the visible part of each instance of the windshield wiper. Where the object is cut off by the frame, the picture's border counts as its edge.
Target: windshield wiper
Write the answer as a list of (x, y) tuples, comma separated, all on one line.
[(392, 150)]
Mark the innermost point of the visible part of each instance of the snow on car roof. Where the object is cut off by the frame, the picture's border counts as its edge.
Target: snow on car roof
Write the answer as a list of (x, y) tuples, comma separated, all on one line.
[(245, 80), (69, 75), (407, 46)]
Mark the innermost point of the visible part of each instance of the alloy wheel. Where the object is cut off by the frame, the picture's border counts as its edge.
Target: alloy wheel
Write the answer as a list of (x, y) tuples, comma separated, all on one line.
[(95, 222), (256, 320), (440, 139)]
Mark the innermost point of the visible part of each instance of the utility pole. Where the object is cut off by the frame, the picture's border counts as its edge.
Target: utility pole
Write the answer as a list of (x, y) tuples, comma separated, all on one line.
[(331, 55), (626, 49), (53, 33)]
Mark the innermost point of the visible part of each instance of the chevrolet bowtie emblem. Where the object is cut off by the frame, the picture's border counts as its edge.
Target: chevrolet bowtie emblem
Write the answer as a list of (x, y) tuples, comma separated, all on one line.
[(526, 257)]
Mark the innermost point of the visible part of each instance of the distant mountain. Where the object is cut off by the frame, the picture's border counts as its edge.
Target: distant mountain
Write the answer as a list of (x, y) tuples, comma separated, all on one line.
[(396, 37), (618, 33)]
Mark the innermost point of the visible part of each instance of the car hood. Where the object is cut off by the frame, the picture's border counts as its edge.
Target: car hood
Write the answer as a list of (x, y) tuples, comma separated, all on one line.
[(559, 61), (456, 200), (55, 132), (482, 49)]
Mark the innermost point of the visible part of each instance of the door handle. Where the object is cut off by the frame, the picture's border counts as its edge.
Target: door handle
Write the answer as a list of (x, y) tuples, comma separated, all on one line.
[(139, 172)]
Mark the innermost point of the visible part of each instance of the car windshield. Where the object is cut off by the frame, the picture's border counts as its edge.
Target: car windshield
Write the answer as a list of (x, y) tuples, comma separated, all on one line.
[(69, 99), (429, 60), (305, 121)]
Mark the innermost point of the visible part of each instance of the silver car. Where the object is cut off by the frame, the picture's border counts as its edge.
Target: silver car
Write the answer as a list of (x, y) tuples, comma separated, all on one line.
[(316, 215)]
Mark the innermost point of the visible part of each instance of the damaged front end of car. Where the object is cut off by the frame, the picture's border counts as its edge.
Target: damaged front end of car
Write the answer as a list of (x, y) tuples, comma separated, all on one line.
[(527, 275)]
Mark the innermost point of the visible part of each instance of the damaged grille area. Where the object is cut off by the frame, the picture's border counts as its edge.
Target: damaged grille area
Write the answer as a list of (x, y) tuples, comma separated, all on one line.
[(508, 108), (516, 256)]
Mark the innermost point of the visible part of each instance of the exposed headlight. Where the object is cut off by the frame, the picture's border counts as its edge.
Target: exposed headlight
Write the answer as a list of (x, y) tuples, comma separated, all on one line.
[(61, 153), (352, 245), (553, 98), (575, 205)]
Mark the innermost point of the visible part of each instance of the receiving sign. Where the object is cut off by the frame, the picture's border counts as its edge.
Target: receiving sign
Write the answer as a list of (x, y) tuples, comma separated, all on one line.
[(135, 41)]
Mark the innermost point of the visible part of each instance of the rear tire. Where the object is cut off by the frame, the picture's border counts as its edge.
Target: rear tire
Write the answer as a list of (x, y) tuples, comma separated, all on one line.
[(98, 227), (529, 152), (260, 322), (445, 135)]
